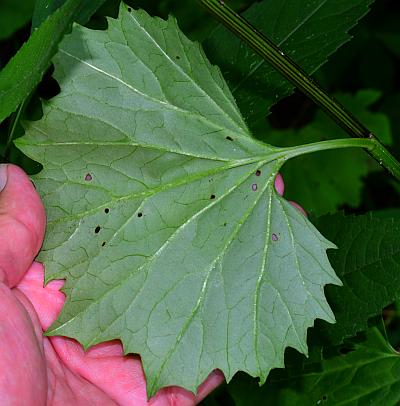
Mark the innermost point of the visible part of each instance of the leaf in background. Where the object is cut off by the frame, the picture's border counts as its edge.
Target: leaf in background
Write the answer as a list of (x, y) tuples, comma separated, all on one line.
[(196, 25), (368, 263), (44, 8), (369, 375), (25, 70), (388, 213), (392, 41), (326, 180), (376, 68), (14, 15), (390, 107), (162, 212), (308, 32), (388, 30)]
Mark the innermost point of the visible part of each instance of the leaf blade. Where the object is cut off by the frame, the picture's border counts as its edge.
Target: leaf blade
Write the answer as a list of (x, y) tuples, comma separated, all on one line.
[(154, 191)]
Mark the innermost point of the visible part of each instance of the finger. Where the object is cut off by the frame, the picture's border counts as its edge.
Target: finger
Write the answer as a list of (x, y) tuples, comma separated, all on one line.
[(178, 396), (23, 374), (63, 383), (279, 184), (212, 382), (280, 188), (298, 207), (104, 365), (22, 223), (120, 377), (46, 300)]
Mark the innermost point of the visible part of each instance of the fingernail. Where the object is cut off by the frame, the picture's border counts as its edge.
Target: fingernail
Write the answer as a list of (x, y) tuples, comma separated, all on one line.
[(3, 176)]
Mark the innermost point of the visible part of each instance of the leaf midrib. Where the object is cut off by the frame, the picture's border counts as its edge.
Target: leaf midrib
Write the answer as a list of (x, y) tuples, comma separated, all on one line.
[(369, 392), (357, 365), (211, 125), (218, 258), (258, 285), (164, 187)]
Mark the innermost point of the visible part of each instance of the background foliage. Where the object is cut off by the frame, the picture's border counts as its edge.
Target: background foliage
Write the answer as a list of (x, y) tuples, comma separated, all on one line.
[(343, 366)]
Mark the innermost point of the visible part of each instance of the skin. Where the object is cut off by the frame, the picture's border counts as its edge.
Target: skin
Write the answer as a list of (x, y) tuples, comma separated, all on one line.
[(37, 370)]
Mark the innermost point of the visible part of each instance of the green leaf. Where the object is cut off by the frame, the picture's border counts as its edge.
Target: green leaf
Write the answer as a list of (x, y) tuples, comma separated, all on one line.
[(369, 375), (390, 108), (308, 32), (392, 41), (43, 8), (162, 212), (25, 70), (387, 30), (324, 181), (14, 15), (196, 25), (368, 263)]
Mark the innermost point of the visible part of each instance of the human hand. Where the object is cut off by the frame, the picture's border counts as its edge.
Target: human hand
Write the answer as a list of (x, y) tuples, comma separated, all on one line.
[(37, 370)]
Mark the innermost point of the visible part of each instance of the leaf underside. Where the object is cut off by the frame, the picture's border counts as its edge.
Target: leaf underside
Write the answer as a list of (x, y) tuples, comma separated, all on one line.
[(162, 213)]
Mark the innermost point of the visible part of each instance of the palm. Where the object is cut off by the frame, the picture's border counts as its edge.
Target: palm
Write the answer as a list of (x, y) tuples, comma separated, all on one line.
[(57, 368), (37, 370)]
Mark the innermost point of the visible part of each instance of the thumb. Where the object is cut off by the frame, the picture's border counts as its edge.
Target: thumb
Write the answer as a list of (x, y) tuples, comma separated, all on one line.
[(22, 224)]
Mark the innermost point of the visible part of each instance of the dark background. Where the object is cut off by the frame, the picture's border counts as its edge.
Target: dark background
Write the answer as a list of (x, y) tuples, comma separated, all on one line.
[(371, 60)]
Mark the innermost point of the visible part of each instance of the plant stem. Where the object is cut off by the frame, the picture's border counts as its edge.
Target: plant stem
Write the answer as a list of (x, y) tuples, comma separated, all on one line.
[(291, 71), (291, 152)]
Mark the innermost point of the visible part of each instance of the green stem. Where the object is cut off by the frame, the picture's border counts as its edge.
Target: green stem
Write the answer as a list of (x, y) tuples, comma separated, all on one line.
[(291, 71), (291, 152)]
